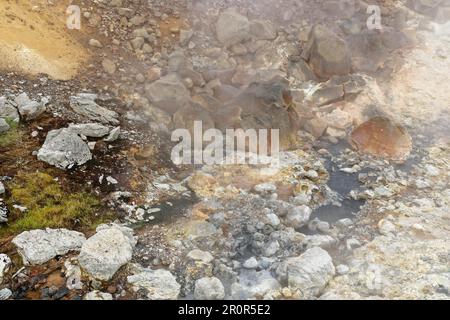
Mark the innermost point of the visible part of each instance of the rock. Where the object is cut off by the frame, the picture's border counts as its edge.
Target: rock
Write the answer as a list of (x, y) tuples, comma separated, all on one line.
[(93, 130), (297, 217), (30, 109), (168, 93), (95, 43), (382, 137), (97, 295), (263, 30), (199, 255), (39, 246), (185, 37), (109, 66), (265, 188), (158, 284), (5, 294), (342, 269), (232, 28), (8, 111), (254, 285), (3, 213), (2, 188), (386, 227), (250, 263), (322, 241), (4, 126), (85, 105), (327, 54), (64, 149), (73, 275), (309, 272), (104, 253), (113, 135), (5, 262), (209, 289)]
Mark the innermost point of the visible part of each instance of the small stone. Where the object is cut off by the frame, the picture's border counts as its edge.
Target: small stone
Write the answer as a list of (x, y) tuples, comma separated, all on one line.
[(342, 269), (251, 263), (297, 217), (97, 295), (199, 255), (95, 43)]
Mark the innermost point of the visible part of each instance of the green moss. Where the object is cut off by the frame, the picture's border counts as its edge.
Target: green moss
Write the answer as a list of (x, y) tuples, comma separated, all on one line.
[(48, 206), (12, 136)]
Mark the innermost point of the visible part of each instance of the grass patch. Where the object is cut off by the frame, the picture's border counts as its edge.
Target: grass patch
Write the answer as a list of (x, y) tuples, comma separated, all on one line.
[(48, 206), (12, 136)]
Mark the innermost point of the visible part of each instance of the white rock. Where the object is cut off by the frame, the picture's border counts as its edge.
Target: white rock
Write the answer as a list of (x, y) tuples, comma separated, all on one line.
[(8, 111), (2, 188), (159, 284), (385, 227), (265, 188), (297, 217), (97, 295), (209, 289), (342, 269), (63, 149), (310, 272), (254, 285), (250, 263), (39, 246), (73, 275), (105, 252), (5, 262)]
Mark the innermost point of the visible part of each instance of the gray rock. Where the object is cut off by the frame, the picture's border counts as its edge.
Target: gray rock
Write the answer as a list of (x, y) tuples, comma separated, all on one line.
[(263, 30), (64, 149), (39, 246), (8, 111), (159, 284), (250, 263), (5, 262), (85, 105), (2, 188), (5, 294), (97, 295), (209, 289), (297, 217), (168, 93), (114, 134), (309, 272), (342, 269), (93, 130), (232, 28), (328, 54), (4, 126), (30, 109), (323, 241), (105, 252), (254, 285)]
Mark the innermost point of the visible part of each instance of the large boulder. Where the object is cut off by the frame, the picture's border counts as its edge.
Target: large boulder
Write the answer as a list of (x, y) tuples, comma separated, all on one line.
[(158, 284), (4, 126), (105, 252), (209, 288), (168, 93), (85, 105), (309, 272), (327, 53), (232, 28), (39, 246), (64, 149)]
